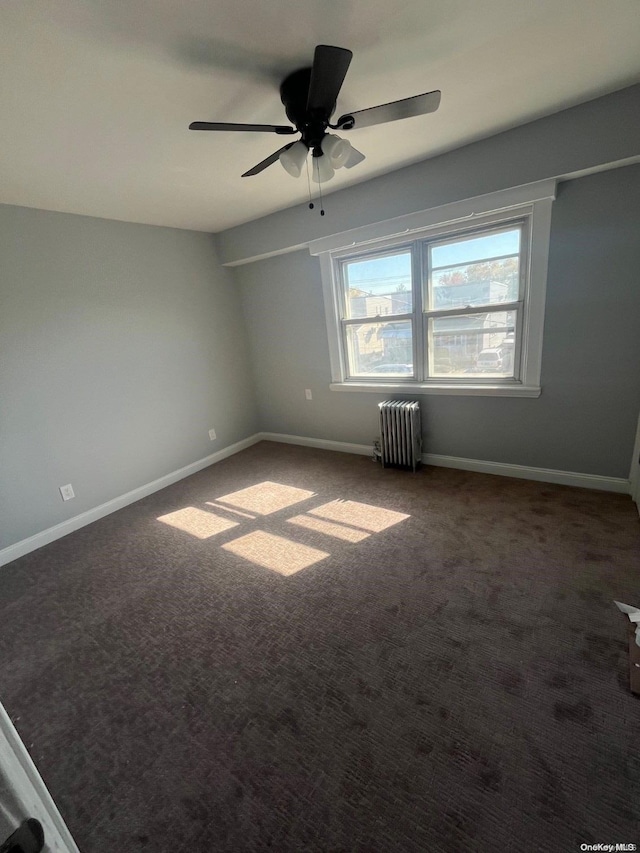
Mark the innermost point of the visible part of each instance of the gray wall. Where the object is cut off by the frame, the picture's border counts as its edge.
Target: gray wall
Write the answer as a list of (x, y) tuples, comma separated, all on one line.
[(120, 346), (584, 420), (605, 130)]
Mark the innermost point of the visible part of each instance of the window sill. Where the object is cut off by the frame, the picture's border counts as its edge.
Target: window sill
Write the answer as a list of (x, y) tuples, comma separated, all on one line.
[(440, 388)]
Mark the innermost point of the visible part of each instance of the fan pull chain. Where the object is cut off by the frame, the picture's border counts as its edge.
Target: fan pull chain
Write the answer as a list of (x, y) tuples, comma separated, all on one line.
[(309, 184), (320, 192)]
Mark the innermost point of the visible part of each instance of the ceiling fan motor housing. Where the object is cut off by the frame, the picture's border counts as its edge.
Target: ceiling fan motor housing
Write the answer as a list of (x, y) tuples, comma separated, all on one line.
[(294, 94), (309, 96)]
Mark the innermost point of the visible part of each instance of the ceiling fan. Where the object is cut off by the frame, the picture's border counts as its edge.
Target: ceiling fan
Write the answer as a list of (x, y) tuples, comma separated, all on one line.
[(309, 97)]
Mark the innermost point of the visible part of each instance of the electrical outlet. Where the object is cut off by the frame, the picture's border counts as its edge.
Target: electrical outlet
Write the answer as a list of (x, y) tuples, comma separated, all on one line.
[(67, 492), (308, 394), (212, 434)]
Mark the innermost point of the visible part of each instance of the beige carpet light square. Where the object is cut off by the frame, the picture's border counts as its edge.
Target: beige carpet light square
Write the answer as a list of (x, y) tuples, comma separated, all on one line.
[(275, 552), (365, 516), (265, 498), (197, 522), (340, 531)]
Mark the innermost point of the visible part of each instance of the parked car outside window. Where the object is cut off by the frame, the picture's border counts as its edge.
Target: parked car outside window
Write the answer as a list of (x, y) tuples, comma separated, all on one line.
[(491, 360)]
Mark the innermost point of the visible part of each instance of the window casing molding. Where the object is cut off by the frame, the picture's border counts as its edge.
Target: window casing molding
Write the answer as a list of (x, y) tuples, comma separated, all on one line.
[(529, 206)]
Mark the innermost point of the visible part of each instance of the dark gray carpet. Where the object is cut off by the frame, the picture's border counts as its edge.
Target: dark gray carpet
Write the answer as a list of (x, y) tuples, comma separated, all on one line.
[(447, 673)]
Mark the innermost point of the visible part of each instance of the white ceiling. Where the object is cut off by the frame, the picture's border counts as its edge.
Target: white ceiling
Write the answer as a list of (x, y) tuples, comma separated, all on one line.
[(96, 95)]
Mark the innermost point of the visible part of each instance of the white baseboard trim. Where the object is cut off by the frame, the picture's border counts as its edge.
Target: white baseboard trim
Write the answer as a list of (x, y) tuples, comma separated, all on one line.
[(321, 443), (524, 472), (545, 475), (25, 546)]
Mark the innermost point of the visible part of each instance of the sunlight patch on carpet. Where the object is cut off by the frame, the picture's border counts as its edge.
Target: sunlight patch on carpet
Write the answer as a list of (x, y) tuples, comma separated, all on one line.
[(197, 522), (275, 552), (365, 516), (229, 509), (265, 498), (330, 528)]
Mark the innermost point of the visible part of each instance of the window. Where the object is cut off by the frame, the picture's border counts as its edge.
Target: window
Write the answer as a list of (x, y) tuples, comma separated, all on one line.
[(373, 287), (456, 308)]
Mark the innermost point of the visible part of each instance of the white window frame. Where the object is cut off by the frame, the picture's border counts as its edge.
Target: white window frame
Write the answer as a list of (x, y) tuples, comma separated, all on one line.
[(530, 204)]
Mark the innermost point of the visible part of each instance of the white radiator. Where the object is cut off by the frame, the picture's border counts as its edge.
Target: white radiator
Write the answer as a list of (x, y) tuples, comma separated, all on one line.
[(400, 434)]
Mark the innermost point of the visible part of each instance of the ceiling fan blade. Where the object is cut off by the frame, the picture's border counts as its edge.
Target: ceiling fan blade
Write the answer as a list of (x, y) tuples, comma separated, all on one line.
[(330, 66), (266, 162), (406, 108), (220, 125), (355, 157)]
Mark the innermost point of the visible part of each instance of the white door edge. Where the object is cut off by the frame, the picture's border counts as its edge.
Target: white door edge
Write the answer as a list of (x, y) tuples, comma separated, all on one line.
[(634, 474), (28, 793)]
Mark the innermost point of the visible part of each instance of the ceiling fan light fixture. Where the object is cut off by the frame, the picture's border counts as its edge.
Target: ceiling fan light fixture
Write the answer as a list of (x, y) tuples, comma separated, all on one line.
[(309, 96), (322, 169), (336, 149), (293, 159)]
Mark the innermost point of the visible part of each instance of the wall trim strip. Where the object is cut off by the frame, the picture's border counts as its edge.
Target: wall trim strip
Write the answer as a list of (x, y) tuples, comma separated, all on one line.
[(320, 443), (25, 546), (526, 472)]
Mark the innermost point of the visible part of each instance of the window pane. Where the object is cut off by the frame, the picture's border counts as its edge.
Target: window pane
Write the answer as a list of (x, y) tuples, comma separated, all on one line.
[(378, 286), (380, 349), (479, 344), (477, 247), (481, 270)]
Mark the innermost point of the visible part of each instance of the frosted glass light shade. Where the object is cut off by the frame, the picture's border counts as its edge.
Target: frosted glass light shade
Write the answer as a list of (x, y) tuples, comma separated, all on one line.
[(322, 169), (336, 149), (293, 158)]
